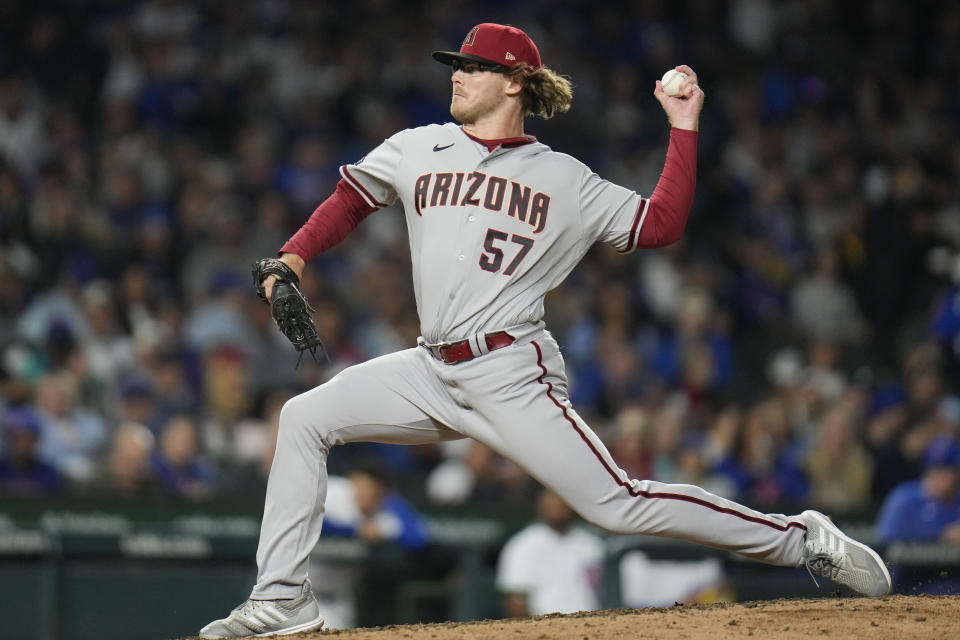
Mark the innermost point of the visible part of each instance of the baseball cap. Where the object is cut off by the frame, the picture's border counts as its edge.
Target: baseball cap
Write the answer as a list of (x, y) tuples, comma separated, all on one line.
[(943, 451), (495, 43)]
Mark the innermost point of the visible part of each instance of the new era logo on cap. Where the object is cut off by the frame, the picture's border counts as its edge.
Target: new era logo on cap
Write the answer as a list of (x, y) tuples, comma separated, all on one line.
[(497, 43)]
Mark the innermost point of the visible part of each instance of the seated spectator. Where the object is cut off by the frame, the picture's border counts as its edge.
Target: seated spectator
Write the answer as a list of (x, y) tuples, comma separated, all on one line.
[(696, 328), (165, 387), (252, 449), (473, 472), (364, 506), (136, 402), (22, 471), (669, 427), (178, 465), (630, 442), (127, 473), (226, 400), (551, 565), (107, 348), (221, 317), (615, 375), (71, 436), (761, 465), (887, 423), (822, 306), (838, 466), (926, 509)]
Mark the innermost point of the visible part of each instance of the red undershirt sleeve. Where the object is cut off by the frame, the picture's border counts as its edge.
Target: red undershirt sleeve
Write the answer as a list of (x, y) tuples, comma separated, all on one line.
[(672, 198), (330, 223)]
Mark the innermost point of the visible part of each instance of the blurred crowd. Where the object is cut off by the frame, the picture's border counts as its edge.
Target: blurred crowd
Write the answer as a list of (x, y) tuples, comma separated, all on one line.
[(800, 345)]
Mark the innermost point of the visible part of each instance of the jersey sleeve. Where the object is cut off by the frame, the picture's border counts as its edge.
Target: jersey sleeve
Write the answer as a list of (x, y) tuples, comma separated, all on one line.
[(611, 213), (374, 176)]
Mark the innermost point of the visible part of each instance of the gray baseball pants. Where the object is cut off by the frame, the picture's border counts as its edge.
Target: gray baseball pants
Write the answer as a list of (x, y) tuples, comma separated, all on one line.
[(515, 401)]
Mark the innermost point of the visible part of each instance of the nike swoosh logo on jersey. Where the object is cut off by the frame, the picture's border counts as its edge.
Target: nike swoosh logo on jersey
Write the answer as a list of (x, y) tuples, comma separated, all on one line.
[(437, 147)]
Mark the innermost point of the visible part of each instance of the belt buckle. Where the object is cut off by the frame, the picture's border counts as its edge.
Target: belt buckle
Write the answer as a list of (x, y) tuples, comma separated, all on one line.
[(439, 349)]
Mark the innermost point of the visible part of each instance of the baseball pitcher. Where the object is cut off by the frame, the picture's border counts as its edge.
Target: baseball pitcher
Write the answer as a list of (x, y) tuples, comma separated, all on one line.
[(496, 219)]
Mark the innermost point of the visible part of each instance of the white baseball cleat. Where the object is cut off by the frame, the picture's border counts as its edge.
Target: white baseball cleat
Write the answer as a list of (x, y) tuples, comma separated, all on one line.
[(829, 553), (256, 618)]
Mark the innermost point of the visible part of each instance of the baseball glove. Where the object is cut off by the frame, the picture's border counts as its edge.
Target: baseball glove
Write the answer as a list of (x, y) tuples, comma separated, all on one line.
[(288, 306)]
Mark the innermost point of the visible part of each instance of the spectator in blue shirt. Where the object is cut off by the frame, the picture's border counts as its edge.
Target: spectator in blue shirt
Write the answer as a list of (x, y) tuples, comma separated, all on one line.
[(22, 471), (364, 506), (178, 465), (926, 509)]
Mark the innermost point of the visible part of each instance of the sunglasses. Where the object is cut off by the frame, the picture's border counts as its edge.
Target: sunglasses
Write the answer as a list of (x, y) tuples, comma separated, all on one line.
[(472, 66)]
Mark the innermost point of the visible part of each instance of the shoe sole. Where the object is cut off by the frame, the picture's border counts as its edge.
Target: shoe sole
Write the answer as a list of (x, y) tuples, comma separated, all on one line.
[(313, 625), (827, 522)]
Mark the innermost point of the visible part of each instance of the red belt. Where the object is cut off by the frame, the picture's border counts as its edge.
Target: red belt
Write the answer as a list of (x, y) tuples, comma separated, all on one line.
[(454, 352)]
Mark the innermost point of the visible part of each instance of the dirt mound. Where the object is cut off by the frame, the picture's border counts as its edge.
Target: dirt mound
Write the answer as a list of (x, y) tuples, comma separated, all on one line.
[(901, 617)]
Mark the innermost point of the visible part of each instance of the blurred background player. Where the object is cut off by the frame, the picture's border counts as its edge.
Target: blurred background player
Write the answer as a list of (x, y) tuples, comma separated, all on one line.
[(552, 565)]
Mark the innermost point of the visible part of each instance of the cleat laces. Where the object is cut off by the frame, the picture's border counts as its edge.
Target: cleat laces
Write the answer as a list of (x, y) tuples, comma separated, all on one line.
[(825, 556), (250, 606), (823, 565)]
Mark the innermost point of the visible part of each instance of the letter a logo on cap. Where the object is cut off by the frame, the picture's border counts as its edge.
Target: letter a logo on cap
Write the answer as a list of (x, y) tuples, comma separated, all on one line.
[(498, 44), (468, 41)]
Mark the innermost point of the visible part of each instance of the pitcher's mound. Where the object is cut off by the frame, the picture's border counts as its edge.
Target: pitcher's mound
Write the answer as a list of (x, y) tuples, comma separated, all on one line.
[(898, 617)]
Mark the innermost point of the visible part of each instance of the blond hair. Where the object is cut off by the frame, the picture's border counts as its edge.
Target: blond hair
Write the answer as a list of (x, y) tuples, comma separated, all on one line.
[(545, 93)]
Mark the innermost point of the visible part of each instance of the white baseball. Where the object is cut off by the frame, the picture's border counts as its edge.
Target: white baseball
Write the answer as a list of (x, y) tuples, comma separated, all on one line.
[(671, 82)]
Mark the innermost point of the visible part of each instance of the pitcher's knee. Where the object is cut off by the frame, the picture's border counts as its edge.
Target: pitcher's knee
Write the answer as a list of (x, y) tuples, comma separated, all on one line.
[(611, 523), (302, 421), (608, 516), (552, 507)]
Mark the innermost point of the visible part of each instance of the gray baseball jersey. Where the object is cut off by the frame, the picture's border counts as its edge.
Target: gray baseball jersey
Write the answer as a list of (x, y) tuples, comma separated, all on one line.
[(490, 233)]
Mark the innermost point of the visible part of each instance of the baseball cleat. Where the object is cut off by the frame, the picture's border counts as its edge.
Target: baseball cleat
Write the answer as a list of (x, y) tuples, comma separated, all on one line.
[(829, 553), (256, 618)]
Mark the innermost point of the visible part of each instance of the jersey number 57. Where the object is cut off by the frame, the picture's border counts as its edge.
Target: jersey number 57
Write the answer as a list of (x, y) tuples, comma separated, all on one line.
[(492, 258)]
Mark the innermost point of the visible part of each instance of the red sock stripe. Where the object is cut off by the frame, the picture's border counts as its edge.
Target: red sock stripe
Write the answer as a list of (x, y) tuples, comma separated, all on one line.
[(636, 493)]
